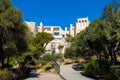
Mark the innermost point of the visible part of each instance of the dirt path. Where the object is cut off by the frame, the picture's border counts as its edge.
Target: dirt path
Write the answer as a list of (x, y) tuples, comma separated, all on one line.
[(44, 76)]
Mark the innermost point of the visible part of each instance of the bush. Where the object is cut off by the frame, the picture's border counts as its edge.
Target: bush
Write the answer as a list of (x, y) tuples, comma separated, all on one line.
[(115, 69), (47, 67), (48, 57), (103, 67), (100, 68), (90, 68), (14, 74), (5, 74), (43, 62)]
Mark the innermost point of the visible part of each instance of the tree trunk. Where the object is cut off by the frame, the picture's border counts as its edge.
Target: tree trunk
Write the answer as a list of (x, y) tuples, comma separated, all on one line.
[(2, 56), (114, 57), (111, 57), (2, 61), (8, 61)]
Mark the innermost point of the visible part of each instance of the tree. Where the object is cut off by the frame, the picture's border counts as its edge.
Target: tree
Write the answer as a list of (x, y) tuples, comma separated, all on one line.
[(4, 5), (70, 53), (111, 19), (48, 57), (41, 40), (69, 39), (100, 40), (60, 47), (51, 57), (12, 32)]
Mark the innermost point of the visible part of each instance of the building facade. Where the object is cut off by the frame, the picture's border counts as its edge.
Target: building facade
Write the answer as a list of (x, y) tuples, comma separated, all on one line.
[(80, 25), (58, 33), (32, 27)]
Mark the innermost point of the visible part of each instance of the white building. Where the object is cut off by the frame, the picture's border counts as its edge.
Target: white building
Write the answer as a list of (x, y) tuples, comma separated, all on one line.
[(32, 27), (58, 33), (81, 24)]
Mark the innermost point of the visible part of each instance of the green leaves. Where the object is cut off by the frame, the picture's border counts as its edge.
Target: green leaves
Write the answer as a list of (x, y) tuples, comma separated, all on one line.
[(70, 53), (12, 31), (51, 57), (41, 40), (4, 5), (102, 37), (48, 57), (13, 15)]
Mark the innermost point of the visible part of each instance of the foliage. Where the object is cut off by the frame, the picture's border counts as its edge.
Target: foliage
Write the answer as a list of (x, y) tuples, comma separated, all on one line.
[(5, 4), (51, 57), (48, 57), (111, 19), (41, 40), (70, 53), (5, 74), (13, 40), (101, 38), (60, 47), (90, 69), (95, 68), (69, 39), (103, 67), (46, 67), (16, 46), (115, 69)]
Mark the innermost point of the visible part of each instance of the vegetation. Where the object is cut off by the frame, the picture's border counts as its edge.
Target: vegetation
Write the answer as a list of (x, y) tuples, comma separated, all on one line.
[(69, 39), (41, 40), (100, 41), (51, 57), (12, 32), (60, 47), (115, 69), (5, 74), (70, 53), (19, 48), (98, 44)]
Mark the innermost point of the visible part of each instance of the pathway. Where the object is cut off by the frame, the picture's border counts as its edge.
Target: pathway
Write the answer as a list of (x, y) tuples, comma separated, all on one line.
[(44, 76), (70, 74)]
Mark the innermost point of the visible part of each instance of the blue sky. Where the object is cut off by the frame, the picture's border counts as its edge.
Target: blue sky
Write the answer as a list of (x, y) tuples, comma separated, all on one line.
[(59, 12)]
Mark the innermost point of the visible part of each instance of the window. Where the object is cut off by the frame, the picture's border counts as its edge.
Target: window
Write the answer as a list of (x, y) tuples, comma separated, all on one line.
[(56, 33), (56, 29), (63, 36)]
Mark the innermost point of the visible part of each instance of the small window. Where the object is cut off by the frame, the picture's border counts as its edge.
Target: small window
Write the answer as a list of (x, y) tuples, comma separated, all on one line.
[(63, 36), (52, 45), (56, 34), (79, 21)]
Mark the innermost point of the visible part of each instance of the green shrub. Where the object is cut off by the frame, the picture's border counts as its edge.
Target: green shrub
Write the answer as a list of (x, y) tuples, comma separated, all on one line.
[(5, 74), (97, 68), (115, 69), (48, 68), (103, 67), (48, 57), (43, 62), (12, 62), (90, 68)]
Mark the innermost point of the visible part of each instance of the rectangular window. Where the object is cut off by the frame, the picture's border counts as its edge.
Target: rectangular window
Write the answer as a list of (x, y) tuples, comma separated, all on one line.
[(56, 33), (63, 36)]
